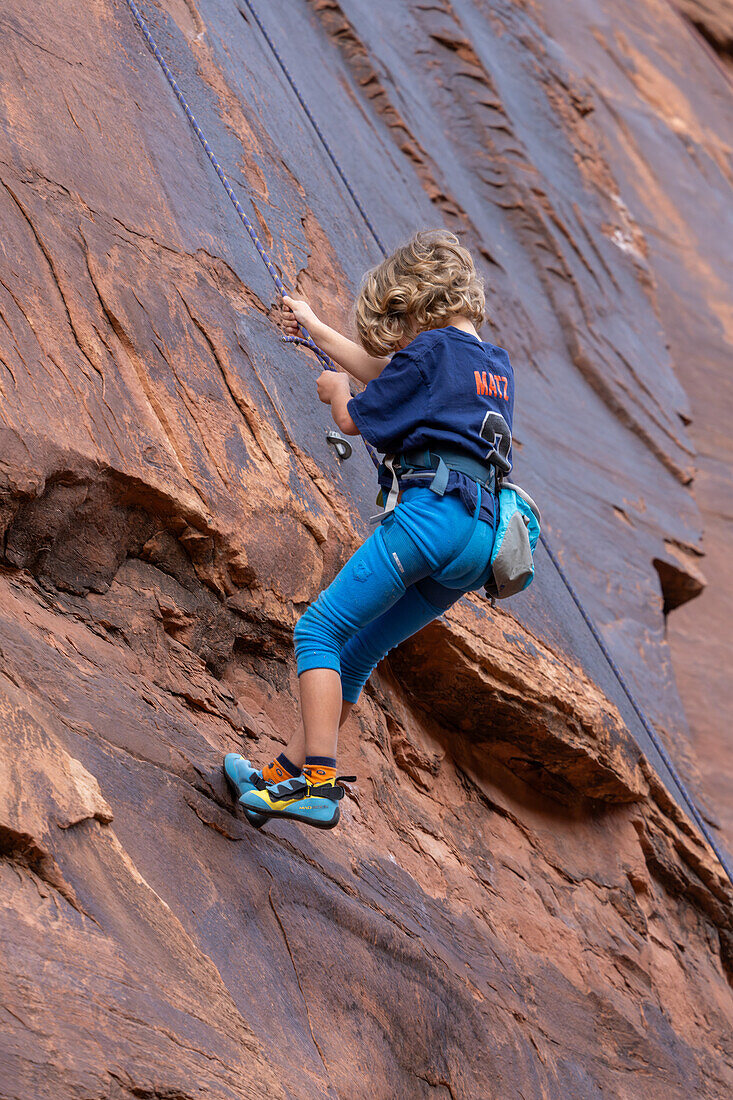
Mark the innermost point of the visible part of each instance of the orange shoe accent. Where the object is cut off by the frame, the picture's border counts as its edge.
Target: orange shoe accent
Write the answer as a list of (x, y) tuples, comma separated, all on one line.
[(318, 773), (275, 773)]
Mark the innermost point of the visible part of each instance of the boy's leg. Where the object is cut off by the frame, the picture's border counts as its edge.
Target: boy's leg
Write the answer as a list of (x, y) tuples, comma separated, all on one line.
[(320, 708), (295, 748), (422, 602), (374, 578), (323, 706)]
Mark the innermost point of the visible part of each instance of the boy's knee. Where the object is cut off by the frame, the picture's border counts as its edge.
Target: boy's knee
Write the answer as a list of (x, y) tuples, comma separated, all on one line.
[(301, 628), (316, 627), (309, 628)]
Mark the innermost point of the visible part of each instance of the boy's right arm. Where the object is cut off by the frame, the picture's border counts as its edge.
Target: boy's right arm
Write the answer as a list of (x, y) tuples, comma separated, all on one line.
[(343, 351)]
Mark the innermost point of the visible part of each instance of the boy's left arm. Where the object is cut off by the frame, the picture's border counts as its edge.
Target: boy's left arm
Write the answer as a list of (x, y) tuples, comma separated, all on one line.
[(333, 390)]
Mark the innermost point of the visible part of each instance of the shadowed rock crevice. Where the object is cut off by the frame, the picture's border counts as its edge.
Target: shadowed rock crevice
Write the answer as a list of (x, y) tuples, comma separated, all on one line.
[(713, 19), (680, 576), (22, 851)]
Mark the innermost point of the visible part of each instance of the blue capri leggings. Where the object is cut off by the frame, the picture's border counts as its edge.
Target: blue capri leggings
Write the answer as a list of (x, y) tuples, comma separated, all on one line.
[(422, 558)]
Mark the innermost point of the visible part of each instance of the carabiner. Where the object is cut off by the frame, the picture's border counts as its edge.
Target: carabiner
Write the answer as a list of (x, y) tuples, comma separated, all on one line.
[(339, 444)]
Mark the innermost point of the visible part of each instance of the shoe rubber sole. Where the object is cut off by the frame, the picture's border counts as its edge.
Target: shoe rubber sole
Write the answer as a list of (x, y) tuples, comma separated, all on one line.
[(285, 815), (255, 820)]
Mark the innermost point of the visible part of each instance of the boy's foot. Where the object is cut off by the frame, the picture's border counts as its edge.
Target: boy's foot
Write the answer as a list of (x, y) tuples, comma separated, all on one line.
[(299, 800), (242, 778)]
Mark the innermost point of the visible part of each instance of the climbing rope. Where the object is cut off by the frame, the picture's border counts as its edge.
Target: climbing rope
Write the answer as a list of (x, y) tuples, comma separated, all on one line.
[(307, 341), (316, 127), (343, 449), (654, 738)]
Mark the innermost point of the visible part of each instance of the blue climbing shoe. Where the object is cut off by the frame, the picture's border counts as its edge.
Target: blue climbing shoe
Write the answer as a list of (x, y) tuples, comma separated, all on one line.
[(298, 800), (242, 779)]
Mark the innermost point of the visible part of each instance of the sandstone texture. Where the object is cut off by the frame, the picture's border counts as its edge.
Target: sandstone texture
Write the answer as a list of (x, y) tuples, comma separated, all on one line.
[(517, 904), (714, 21)]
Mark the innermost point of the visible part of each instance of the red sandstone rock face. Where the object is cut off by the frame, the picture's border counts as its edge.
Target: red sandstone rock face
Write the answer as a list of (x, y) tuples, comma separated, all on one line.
[(515, 905)]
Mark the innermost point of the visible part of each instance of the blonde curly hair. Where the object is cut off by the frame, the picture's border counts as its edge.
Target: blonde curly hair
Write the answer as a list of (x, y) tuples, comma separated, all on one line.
[(423, 285)]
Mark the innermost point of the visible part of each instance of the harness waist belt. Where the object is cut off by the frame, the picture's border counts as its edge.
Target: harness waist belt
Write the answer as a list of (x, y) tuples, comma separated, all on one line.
[(416, 463), (421, 463)]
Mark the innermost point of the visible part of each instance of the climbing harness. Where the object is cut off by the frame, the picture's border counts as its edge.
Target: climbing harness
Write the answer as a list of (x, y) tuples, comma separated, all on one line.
[(308, 342), (518, 527), (422, 463)]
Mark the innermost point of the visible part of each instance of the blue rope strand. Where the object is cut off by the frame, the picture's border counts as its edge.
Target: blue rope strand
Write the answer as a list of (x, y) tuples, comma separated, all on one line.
[(316, 127), (306, 340)]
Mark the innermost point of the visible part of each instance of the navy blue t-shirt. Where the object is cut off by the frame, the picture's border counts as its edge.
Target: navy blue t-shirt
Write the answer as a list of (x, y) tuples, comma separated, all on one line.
[(446, 387)]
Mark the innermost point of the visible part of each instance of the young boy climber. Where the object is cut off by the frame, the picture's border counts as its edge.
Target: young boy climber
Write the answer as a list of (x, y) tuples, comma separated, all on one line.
[(438, 402)]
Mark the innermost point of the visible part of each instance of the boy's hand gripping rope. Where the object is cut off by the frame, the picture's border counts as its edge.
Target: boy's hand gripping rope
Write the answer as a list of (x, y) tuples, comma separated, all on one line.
[(306, 339)]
